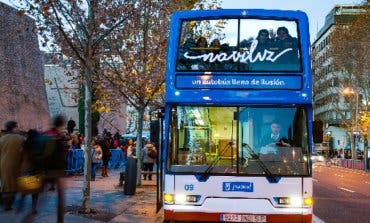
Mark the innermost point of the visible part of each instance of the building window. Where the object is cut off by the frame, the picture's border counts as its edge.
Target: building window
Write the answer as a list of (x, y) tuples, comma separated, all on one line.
[(348, 115)]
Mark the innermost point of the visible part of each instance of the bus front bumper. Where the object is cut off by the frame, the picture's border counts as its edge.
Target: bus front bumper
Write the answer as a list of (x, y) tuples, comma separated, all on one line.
[(173, 215)]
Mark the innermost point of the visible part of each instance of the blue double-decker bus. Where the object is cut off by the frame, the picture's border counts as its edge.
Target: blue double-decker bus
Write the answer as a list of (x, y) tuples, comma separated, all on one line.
[(238, 117)]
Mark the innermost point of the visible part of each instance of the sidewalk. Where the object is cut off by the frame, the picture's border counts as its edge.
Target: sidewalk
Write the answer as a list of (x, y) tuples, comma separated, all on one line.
[(108, 200)]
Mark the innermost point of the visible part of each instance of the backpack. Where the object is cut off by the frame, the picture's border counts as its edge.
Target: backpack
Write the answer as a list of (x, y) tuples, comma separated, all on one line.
[(44, 151), (152, 153), (97, 156)]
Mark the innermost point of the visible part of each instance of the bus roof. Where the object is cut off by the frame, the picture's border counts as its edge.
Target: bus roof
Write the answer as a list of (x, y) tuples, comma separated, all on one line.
[(225, 13)]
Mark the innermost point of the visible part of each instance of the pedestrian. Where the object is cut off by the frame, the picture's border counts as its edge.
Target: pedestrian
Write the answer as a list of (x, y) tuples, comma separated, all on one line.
[(70, 126), (129, 148), (55, 163), (76, 143), (149, 154), (96, 158), (11, 146), (29, 168), (106, 146)]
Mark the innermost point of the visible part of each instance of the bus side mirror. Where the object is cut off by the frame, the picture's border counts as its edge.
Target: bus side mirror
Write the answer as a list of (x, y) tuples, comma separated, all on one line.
[(154, 132), (318, 131), (155, 118)]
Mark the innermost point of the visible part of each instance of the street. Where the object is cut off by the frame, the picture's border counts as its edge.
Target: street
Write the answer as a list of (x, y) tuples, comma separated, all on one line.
[(108, 202), (340, 194)]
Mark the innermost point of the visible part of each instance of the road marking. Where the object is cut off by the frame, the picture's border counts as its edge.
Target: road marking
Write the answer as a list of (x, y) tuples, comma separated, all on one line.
[(345, 189), (316, 180), (317, 219), (367, 182)]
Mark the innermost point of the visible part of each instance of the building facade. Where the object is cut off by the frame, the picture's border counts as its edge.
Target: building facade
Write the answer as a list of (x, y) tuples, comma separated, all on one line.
[(22, 88), (330, 104), (62, 95)]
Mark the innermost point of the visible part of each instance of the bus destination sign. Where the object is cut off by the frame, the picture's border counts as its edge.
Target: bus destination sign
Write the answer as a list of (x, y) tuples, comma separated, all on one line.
[(238, 82)]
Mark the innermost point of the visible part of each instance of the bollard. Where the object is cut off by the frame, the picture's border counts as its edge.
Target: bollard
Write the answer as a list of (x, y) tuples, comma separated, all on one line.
[(129, 187)]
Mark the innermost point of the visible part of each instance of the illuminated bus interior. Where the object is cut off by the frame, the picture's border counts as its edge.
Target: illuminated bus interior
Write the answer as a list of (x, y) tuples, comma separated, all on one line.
[(229, 140)]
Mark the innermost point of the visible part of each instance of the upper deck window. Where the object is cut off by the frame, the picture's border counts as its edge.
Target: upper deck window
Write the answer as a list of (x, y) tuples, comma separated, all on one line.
[(240, 45)]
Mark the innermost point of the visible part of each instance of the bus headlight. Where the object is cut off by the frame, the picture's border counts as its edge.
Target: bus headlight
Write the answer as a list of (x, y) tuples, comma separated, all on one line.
[(180, 198), (168, 198), (294, 201), (308, 201)]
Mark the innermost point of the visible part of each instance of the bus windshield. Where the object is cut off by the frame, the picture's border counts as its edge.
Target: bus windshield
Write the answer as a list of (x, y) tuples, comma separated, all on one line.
[(239, 45), (239, 140)]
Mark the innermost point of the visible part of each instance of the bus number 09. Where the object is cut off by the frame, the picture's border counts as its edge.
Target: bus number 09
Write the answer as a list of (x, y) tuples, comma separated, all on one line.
[(189, 187)]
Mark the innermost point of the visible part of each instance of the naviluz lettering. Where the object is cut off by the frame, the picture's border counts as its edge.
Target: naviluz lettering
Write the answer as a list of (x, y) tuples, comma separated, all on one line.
[(243, 57)]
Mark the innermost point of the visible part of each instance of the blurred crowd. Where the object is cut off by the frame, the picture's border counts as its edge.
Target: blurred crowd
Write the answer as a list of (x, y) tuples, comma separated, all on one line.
[(32, 162)]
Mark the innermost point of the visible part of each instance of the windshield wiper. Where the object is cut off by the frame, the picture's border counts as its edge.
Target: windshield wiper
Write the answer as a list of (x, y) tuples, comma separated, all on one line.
[(205, 175), (270, 176)]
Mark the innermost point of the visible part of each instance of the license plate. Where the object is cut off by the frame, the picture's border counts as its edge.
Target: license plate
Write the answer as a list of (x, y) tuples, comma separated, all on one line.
[(243, 218)]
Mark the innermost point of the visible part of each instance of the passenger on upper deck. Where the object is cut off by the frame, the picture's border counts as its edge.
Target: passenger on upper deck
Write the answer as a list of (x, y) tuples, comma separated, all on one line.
[(258, 51), (215, 46), (202, 44), (200, 49), (264, 41), (284, 41), (188, 46)]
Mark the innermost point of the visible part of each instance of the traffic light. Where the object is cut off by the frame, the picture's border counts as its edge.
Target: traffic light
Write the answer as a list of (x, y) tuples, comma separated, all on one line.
[(318, 131)]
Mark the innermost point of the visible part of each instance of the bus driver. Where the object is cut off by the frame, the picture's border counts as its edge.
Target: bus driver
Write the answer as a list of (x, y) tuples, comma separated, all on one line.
[(273, 139)]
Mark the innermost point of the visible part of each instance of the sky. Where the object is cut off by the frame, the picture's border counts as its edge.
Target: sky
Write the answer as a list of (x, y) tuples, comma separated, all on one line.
[(316, 10)]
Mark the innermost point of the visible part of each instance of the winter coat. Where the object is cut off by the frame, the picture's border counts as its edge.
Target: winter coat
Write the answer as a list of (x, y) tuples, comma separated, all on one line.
[(96, 154), (146, 158), (11, 146)]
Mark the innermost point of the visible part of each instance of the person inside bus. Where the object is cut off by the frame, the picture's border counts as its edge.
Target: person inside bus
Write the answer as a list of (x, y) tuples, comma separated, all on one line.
[(273, 138), (264, 41), (229, 64), (200, 49), (187, 47), (215, 47), (285, 41), (202, 43)]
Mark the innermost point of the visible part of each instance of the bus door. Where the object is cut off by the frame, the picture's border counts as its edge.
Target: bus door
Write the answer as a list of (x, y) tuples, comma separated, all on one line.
[(156, 136)]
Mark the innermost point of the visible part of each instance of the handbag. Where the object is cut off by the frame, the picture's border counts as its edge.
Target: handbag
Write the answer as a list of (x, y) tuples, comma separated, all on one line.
[(152, 153), (30, 182)]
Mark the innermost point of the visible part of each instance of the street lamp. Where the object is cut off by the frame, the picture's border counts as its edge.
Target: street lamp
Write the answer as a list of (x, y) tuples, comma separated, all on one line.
[(350, 91)]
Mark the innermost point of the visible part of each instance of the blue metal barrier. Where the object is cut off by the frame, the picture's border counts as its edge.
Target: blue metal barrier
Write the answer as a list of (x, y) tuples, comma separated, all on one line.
[(75, 160), (117, 160)]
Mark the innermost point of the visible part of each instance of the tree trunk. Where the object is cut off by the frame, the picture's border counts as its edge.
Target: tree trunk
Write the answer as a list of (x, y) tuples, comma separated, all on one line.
[(139, 145), (87, 165)]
